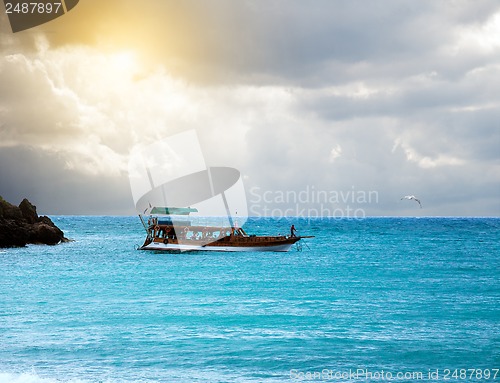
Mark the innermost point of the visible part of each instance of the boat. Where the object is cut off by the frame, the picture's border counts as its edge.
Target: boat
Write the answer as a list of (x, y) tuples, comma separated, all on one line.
[(166, 232), (169, 180)]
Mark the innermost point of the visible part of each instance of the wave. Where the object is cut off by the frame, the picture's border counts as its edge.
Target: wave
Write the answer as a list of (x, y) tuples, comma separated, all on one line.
[(176, 375), (33, 377)]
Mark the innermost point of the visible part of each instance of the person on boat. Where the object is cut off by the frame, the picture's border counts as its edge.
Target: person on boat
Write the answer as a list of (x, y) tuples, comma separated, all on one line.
[(293, 231)]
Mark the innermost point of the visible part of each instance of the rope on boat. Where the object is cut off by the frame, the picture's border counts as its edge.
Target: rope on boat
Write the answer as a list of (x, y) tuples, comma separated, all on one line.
[(305, 243)]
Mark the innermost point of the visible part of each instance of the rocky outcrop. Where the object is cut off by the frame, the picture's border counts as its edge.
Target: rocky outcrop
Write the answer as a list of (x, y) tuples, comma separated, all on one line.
[(21, 225), (28, 211)]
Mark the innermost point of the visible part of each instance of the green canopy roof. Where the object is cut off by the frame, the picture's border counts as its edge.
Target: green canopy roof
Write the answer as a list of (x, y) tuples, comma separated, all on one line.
[(173, 210)]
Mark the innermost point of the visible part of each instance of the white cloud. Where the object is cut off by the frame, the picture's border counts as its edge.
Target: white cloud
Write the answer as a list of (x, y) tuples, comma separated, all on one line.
[(335, 153), (483, 37), (426, 162), (93, 107)]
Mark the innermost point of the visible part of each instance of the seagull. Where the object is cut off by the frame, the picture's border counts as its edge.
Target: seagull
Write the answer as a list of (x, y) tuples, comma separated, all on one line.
[(413, 198)]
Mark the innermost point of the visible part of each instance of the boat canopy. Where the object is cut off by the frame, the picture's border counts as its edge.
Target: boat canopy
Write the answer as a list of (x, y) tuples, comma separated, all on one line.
[(173, 210)]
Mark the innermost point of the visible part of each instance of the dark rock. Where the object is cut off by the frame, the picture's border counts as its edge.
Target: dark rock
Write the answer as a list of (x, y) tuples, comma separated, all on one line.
[(10, 211), (21, 225), (46, 220), (13, 233), (28, 211), (46, 234)]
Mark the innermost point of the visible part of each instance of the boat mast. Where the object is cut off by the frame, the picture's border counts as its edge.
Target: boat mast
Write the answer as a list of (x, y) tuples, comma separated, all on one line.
[(143, 223), (223, 195)]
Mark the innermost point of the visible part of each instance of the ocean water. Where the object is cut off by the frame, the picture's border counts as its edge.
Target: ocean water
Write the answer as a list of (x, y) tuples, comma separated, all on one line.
[(378, 299)]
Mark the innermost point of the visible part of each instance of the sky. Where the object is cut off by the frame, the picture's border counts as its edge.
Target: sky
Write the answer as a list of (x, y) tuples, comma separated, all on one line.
[(333, 108)]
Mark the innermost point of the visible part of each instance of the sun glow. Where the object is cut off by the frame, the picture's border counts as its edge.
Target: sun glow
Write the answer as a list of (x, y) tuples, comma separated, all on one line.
[(124, 61)]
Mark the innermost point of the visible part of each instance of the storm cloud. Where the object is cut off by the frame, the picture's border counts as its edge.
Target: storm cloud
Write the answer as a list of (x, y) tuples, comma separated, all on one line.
[(394, 97)]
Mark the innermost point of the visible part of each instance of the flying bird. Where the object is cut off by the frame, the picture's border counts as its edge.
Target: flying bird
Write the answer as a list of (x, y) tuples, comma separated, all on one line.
[(412, 197)]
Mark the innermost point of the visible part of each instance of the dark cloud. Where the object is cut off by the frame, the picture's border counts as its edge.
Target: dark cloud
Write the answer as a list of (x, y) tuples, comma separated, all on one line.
[(279, 41), (43, 178), (397, 97)]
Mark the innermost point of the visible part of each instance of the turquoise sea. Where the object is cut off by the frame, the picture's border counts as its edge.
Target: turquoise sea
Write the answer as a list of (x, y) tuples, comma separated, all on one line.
[(377, 299)]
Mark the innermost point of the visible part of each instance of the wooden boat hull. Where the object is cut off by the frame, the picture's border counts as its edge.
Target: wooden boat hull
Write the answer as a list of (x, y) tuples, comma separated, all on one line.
[(282, 244), (182, 236)]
